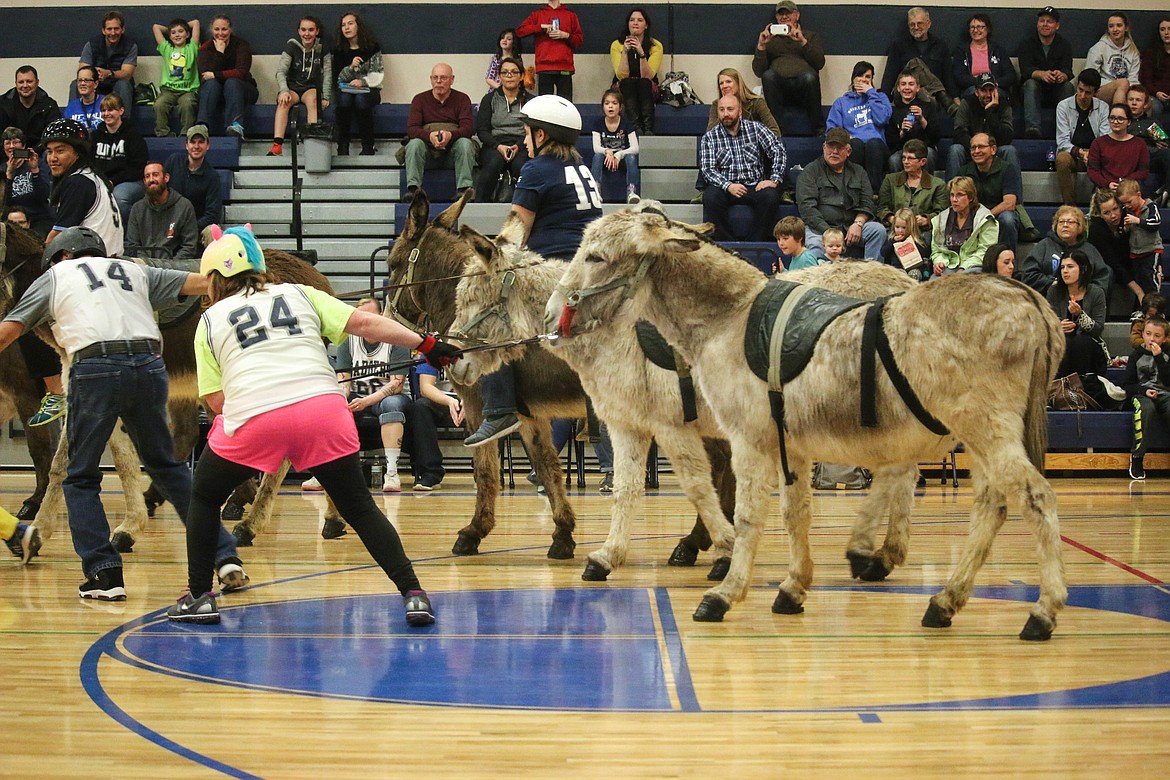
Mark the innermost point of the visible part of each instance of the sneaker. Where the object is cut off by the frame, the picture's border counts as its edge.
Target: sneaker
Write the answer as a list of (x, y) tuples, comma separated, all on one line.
[(632, 194), (236, 129), (492, 429), (392, 483), (1137, 467), (25, 542), (232, 577), (195, 610), (106, 585), (52, 407), (419, 611), (311, 484), (276, 151), (532, 478), (606, 485), (427, 484)]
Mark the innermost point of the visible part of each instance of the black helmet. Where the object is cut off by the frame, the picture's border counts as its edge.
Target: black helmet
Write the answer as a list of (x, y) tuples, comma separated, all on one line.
[(77, 241), (68, 131)]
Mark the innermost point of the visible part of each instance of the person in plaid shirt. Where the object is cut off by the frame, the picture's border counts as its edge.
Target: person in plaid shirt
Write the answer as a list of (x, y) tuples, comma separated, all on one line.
[(742, 162)]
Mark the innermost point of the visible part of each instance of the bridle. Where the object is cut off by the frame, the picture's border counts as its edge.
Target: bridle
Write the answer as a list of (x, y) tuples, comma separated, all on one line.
[(393, 303), (573, 298)]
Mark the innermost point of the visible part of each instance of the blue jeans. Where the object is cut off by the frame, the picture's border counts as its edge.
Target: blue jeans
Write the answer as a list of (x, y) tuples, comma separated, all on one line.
[(629, 162), (392, 409), (234, 94), (498, 390), (1037, 94), (957, 155), (126, 195), (1009, 228), (102, 390)]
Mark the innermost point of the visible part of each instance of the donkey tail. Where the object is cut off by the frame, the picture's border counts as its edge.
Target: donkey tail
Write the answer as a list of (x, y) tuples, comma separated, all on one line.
[(1044, 368)]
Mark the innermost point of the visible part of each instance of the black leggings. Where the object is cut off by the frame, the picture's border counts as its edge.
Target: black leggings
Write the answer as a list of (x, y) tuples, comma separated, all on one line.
[(216, 478), (41, 359)]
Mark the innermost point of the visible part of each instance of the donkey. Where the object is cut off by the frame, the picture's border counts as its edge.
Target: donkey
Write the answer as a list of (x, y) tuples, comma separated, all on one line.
[(976, 352), (641, 401)]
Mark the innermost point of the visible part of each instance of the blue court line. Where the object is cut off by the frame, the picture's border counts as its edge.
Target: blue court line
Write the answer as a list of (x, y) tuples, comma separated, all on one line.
[(869, 717), (683, 683)]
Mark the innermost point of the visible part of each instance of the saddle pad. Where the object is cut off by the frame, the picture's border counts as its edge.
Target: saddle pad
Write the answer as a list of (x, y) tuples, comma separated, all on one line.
[(654, 346), (815, 310)]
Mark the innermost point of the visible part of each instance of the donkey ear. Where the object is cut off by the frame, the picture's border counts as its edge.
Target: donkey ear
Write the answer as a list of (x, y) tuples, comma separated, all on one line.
[(450, 216), (417, 215), (681, 245), (482, 245), (512, 231), (703, 228)]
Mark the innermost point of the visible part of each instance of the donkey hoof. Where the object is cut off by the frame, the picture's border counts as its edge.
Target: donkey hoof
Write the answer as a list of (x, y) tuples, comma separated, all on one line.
[(244, 535), (466, 544), (935, 617), (784, 604), (28, 511), (594, 572), (332, 529), (682, 556), (1036, 630), (858, 562), (875, 572), (561, 549), (122, 542), (232, 512), (711, 610), (719, 569)]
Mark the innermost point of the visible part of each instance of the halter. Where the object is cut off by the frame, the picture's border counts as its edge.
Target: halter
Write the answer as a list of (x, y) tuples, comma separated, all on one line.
[(573, 298), (393, 303), (498, 309)]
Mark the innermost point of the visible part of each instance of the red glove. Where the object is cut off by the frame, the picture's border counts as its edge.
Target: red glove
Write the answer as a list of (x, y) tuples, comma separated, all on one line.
[(439, 354)]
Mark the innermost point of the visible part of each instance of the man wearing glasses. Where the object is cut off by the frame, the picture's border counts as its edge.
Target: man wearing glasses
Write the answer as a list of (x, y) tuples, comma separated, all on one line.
[(982, 112), (999, 184), (924, 56), (1079, 120), (500, 131)]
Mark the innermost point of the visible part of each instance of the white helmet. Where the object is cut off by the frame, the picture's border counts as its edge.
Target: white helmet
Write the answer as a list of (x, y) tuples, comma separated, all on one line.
[(559, 118)]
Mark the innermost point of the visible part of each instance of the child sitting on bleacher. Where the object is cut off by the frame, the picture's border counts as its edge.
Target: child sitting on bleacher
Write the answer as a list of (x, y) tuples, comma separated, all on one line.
[(789, 234), (833, 240), (1147, 382), (1153, 305), (615, 144), (905, 247)]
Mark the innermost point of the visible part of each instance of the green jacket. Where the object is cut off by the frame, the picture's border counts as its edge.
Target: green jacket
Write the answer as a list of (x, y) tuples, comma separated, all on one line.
[(970, 254), (928, 200)]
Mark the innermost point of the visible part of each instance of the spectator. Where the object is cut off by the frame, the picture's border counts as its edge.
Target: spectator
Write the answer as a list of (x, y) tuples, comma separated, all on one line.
[(789, 234), (192, 176), (119, 154), (178, 44), (912, 118), (906, 249), (1116, 58), (741, 162), (1079, 120), (751, 105), (926, 57), (439, 127), (1080, 305), (1153, 305), (27, 107), (1000, 259), (833, 192), (500, 131), (636, 60), (557, 32), (1118, 155), (982, 112), (999, 185), (833, 244), (1042, 265), (1144, 222), (113, 58), (300, 78), (164, 219), (1108, 235), (225, 72), (1155, 70), (79, 197), (863, 113), (26, 183), (915, 188), (507, 45), (1147, 383), (19, 217), (789, 64), (615, 144), (1045, 68), (1146, 128), (961, 234), (358, 73), (979, 56), (86, 107), (436, 405)]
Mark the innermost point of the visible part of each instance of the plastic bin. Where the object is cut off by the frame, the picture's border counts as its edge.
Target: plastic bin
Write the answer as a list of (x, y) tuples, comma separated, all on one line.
[(318, 155)]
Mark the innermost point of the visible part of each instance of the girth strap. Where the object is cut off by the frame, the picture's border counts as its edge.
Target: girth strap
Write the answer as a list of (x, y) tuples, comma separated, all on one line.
[(775, 382), (874, 338)]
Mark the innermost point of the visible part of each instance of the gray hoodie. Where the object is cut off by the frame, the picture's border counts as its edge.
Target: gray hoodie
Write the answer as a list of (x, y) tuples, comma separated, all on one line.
[(1115, 62)]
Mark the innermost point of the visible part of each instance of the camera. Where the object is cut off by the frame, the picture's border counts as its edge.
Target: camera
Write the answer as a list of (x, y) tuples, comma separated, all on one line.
[(21, 154), (779, 29)]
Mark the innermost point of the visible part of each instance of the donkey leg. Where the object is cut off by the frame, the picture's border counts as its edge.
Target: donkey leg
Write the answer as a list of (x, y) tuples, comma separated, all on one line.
[(796, 509), (629, 460), (486, 463), (1038, 504), (126, 464), (261, 514), (687, 452), (184, 417), (537, 435), (48, 518), (892, 492), (334, 525)]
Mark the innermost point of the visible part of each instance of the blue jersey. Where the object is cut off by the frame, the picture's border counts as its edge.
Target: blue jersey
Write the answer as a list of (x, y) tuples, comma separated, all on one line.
[(565, 199)]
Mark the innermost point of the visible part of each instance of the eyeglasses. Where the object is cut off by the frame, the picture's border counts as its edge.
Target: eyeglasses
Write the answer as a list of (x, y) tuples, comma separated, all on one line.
[(1068, 222), (87, 81), (909, 158), (1118, 119), (980, 146), (509, 73), (977, 27)]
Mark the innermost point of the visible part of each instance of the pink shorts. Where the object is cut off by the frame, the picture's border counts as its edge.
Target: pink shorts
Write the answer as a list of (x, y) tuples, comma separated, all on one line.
[(309, 433)]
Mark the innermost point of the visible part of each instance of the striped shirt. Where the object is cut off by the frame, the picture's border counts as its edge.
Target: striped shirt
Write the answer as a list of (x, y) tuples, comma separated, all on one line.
[(748, 157)]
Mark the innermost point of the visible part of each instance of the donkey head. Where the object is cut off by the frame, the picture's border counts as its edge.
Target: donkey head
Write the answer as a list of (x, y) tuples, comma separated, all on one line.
[(20, 265)]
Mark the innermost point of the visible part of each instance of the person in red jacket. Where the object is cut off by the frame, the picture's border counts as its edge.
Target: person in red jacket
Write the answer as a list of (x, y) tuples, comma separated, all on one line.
[(225, 73), (557, 33)]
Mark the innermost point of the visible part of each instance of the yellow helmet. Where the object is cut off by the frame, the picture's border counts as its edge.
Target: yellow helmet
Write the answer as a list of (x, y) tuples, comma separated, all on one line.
[(233, 251)]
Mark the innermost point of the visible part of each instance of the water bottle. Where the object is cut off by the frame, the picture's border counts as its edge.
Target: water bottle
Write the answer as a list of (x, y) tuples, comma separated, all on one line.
[(376, 474), (1052, 158)]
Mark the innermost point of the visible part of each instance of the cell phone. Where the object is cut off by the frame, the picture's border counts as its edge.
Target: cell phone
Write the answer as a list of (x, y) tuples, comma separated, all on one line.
[(556, 23), (21, 154), (779, 29)]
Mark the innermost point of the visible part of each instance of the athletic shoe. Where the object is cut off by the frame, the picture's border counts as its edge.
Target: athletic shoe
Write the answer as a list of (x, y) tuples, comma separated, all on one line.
[(25, 542), (276, 151), (606, 485), (236, 129), (311, 484), (195, 610), (392, 483), (232, 577), (427, 484), (1137, 467), (106, 585), (632, 194), (52, 407), (419, 611), (492, 429)]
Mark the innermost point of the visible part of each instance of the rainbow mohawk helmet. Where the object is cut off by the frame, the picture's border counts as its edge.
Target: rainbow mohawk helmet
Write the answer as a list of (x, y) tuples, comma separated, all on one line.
[(233, 251)]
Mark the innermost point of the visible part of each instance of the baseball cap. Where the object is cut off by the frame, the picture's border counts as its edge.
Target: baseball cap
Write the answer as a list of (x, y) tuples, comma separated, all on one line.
[(837, 135), (1049, 11), (786, 5), (985, 80), (198, 130)]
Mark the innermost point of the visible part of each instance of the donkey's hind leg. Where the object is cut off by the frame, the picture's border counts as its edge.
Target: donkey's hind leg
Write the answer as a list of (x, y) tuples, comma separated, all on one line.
[(537, 435), (892, 494), (126, 464), (257, 520), (689, 454), (48, 518), (629, 459)]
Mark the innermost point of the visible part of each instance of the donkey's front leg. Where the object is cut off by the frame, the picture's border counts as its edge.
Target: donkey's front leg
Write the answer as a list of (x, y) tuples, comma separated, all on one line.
[(796, 508), (629, 462)]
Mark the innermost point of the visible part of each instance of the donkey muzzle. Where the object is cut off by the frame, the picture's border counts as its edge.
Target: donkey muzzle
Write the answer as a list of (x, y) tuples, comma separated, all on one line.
[(565, 323)]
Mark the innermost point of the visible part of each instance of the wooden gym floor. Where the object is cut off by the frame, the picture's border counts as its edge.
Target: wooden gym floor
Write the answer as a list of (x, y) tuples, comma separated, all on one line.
[(531, 672)]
